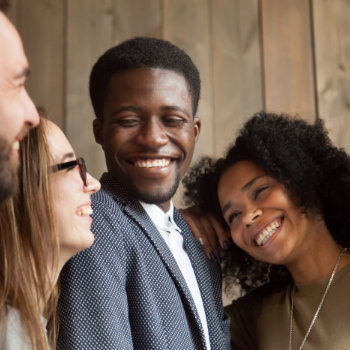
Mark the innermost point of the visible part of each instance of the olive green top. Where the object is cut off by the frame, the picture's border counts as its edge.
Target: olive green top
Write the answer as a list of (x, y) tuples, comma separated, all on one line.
[(261, 319)]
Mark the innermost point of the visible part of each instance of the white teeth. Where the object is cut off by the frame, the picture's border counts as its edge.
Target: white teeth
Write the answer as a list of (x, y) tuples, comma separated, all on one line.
[(15, 145), (264, 236), (85, 211), (152, 163)]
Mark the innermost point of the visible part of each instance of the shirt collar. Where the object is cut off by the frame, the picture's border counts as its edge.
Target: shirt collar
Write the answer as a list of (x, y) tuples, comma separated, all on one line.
[(158, 217)]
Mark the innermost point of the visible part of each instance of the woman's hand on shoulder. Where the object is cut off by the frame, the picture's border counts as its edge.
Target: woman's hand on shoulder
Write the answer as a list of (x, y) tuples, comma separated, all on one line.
[(208, 231)]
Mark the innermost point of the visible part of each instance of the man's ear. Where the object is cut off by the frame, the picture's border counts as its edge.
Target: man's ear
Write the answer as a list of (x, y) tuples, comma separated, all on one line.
[(197, 127), (97, 128)]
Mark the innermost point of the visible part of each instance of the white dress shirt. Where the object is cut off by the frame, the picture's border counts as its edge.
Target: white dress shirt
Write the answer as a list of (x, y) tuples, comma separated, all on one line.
[(171, 234)]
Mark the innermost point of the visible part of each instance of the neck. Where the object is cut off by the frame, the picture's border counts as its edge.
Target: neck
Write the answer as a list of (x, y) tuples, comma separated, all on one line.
[(164, 206), (318, 260)]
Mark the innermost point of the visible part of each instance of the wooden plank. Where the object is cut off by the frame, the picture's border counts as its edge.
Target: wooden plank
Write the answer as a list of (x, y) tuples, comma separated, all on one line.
[(93, 27), (12, 12), (187, 25), (288, 57), (237, 70), (137, 18), (41, 25), (332, 44)]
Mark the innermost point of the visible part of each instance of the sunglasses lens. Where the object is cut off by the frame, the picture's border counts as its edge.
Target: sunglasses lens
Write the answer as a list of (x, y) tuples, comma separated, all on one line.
[(82, 168)]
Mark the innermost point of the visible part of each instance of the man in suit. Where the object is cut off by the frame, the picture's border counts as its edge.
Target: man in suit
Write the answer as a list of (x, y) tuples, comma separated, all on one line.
[(146, 282), (17, 111)]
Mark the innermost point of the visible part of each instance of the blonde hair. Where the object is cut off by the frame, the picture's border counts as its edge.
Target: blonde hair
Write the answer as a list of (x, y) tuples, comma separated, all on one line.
[(29, 243)]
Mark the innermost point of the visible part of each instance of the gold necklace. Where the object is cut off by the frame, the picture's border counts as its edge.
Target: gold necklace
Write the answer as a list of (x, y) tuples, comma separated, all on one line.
[(318, 309)]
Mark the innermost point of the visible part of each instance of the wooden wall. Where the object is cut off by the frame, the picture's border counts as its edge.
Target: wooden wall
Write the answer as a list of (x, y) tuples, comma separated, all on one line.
[(291, 56)]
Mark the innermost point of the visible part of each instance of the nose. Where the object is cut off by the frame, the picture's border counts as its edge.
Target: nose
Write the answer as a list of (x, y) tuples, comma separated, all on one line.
[(93, 185), (251, 215), (152, 134), (31, 116)]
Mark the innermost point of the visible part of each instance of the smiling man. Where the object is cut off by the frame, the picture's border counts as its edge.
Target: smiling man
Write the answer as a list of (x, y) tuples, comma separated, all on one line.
[(146, 282), (17, 111)]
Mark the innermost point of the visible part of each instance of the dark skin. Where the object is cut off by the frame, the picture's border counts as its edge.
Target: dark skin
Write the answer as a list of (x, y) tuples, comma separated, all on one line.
[(208, 231), (148, 132)]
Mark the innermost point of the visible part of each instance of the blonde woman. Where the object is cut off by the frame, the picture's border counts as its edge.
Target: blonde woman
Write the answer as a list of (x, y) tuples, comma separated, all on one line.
[(45, 224)]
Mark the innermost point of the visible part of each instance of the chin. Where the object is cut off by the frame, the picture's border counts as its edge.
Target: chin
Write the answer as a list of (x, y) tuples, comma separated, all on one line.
[(156, 195)]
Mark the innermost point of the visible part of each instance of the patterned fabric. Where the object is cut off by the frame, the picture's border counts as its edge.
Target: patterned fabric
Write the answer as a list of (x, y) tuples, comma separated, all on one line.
[(127, 292)]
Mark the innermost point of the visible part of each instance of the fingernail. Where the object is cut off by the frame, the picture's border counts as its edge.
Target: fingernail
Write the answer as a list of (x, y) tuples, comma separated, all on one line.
[(212, 256), (200, 239), (225, 245), (218, 259)]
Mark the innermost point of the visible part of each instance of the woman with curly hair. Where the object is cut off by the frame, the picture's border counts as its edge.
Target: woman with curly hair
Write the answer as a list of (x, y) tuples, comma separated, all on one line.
[(283, 191)]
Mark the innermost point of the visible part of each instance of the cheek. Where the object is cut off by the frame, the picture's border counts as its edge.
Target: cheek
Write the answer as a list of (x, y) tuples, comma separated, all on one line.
[(237, 237), (115, 140)]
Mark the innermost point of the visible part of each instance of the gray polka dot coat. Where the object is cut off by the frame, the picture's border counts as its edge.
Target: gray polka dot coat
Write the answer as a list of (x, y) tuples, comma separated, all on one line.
[(127, 292)]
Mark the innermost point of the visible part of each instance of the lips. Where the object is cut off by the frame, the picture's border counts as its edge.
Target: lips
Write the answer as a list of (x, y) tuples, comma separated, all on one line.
[(262, 237)]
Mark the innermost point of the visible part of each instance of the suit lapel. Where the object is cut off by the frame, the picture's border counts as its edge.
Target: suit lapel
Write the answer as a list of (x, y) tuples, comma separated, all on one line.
[(138, 214), (134, 210), (201, 266)]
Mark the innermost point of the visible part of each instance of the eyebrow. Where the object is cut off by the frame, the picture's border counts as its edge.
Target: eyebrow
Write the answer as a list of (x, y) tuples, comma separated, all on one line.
[(249, 184), (245, 188), (126, 108), (67, 156), (137, 108), (176, 108)]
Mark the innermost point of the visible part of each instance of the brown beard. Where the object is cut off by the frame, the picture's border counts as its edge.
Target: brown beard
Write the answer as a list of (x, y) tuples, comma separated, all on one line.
[(8, 183)]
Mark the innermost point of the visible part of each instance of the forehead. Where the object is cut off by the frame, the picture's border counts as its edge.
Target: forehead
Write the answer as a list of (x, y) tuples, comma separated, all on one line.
[(12, 57), (237, 176), (148, 85), (57, 142)]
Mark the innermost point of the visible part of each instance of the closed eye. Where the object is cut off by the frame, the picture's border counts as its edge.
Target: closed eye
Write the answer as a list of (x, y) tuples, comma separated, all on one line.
[(232, 217), (174, 121), (259, 190), (127, 122)]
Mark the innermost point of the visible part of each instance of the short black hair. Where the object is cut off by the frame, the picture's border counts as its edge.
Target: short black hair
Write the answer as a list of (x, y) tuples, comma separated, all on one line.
[(301, 156), (141, 52)]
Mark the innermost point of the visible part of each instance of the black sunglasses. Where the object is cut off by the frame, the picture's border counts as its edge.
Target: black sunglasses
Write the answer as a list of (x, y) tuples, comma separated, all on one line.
[(80, 162)]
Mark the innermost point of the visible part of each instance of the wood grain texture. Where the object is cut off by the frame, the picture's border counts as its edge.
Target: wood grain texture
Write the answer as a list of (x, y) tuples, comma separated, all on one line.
[(41, 25), (332, 43), (93, 27), (12, 12), (288, 57), (187, 25), (236, 67)]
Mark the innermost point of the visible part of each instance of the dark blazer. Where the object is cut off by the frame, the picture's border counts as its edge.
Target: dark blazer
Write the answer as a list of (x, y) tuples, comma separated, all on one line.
[(127, 292)]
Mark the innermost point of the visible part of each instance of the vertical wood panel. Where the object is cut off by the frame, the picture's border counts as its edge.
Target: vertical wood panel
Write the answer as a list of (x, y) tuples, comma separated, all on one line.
[(137, 18), (237, 68), (186, 24), (13, 10), (288, 59), (41, 25), (332, 42), (93, 27)]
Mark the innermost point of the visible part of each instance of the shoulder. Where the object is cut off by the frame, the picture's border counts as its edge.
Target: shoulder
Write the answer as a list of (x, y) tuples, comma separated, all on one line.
[(245, 313), (252, 301), (13, 334)]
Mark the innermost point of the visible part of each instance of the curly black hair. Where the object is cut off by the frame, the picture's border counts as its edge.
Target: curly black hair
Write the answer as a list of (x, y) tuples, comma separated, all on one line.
[(315, 173), (141, 52)]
